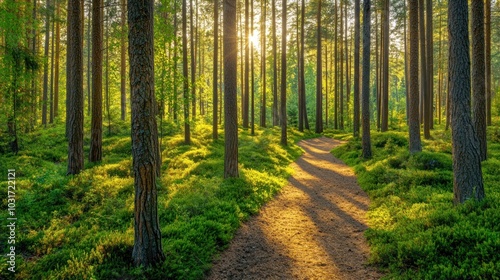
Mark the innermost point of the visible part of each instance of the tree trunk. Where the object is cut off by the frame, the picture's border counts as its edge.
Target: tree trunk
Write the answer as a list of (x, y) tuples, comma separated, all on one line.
[(467, 176), (246, 42), (187, 130), (478, 75), (341, 75), (415, 144), (424, 90), (252, 101), (123, 51), (46, 65), (56, 63), (230, 49), (275, 68), (319, 83), (145, 150), (487, 42), (283, 75), (263, 65), (365, 98), (96, 126), (384, 102), (302, 67), (356, 67), (51, 95), (74, 87), (430, 66), (193, 60), (215, 133)]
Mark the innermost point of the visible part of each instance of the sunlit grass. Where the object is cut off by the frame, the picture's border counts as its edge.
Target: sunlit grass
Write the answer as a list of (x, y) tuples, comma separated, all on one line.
[(415, 230), (81, 227)]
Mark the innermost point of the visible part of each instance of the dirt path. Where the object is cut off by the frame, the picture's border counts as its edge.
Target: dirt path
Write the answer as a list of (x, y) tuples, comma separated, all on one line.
[(312, 230)]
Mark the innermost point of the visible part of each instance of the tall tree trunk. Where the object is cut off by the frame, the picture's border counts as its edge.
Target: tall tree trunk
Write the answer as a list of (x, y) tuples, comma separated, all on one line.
[(145, 149), (96, 127), (51, 95), (467, 176), (89, 61), (187, 130), (263, 64), (252, 101), (246, 42), (319, 83), (215, 133), (123, 51), (341, 75), (356, 67), (302, 67), (230, 48), (283, 75), (56, 63), (46, 65), (430, 66), (347, 66), (365, 98), (275, 68), (487, 42), (193, 60), (413, 97), (176, 58), (384, 125), (106, 74), (440, 72), (478, 75), (424, 90), (335, 72), (74, 87)]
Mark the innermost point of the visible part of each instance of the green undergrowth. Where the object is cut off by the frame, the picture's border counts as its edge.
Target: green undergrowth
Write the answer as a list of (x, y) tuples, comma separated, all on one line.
[(81, 227), (415, 230)]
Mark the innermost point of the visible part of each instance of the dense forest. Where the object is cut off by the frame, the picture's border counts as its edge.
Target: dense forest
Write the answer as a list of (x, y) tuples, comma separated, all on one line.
[(137, 136)]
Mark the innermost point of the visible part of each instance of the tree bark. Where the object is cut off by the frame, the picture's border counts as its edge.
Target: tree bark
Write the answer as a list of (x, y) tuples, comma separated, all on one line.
[(123, 52), (356, 67), (56, 63), (263, 65), (319, 83), (487, 41), (230, 49), (246, 42), (74, 87), (193, 60), (384, 102), (275, 68), (430, 66), (96, 126), (215, 133), (187, 130), (478, 75), (415, 144), (283, 75), (45, 100), (467, 176), (365, 98), (147, 249)]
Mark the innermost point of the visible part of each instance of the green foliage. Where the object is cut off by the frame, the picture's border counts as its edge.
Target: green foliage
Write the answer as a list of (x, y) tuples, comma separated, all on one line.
[(81, 227), (415, 230)]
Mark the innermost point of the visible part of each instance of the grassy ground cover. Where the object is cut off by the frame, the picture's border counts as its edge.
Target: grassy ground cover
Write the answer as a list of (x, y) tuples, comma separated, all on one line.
[(415, 230), (81, 227)]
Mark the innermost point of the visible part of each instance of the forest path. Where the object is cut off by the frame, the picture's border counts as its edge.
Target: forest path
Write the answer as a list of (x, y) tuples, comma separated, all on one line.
[(313, 229)]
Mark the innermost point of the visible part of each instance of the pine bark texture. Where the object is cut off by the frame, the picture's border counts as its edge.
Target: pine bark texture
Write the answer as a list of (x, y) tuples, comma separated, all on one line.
[(74, 87), (230, 50), (487, 42), (319, 82), (96, 119), (283, 75), (147, 249), (467, 176), (478, 75), (123, 52), (413, 93), (215, 96), (185, 82), (356, 67), (365, 98)]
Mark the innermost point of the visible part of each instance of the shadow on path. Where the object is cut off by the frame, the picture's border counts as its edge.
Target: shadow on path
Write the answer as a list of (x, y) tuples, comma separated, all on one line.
[(313, 229)]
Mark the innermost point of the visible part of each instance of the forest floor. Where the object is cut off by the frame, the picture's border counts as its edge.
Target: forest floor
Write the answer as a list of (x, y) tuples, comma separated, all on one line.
[(313, 229)]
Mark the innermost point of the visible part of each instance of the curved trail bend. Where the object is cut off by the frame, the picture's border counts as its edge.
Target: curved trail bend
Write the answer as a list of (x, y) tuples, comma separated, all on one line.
[(313, 229)]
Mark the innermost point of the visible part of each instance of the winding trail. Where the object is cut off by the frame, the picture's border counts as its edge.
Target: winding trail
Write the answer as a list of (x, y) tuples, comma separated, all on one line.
[(313, 229)]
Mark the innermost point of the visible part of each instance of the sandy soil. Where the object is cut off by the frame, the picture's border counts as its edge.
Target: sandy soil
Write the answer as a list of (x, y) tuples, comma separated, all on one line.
[(313, 229)]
